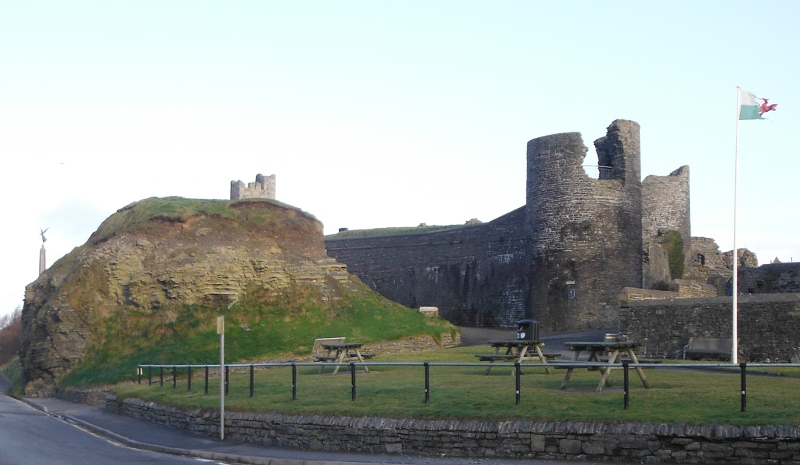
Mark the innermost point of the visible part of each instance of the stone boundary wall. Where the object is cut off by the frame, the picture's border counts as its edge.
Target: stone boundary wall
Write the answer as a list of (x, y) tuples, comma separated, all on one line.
[(769, 325), (540, 440), (88, 396)]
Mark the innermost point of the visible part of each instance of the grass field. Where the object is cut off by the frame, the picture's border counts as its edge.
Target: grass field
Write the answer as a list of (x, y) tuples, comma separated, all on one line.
[(684, 396)]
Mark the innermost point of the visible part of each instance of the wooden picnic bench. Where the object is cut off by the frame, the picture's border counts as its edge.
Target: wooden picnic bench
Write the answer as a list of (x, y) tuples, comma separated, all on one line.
[(337, 352), (517, 350), (596, 350)]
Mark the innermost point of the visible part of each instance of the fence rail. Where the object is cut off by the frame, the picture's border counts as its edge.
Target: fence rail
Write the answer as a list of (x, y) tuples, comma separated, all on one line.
[(625, 366)]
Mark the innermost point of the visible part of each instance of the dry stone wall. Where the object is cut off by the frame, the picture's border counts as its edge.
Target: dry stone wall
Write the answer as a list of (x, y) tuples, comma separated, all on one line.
[(539, 440)]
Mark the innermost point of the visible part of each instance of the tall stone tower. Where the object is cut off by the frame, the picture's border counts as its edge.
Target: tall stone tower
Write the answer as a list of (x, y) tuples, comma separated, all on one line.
[(585, 234)]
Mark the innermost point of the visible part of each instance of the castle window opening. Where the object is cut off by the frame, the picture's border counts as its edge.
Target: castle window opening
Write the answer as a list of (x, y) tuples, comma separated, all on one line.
[(701, 259)]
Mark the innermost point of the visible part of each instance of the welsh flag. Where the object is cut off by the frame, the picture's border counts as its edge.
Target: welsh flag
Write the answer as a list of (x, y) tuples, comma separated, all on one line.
[(751, 108)]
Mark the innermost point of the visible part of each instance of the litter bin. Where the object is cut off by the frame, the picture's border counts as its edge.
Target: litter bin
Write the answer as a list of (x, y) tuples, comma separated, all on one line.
[(528, 330)]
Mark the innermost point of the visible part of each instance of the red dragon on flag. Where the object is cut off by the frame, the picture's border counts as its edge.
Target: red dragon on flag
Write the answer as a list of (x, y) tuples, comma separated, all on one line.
[(766, 106)]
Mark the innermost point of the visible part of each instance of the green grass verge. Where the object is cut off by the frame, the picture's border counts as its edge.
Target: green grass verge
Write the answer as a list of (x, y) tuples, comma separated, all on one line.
[(676, 396), (13, 372)]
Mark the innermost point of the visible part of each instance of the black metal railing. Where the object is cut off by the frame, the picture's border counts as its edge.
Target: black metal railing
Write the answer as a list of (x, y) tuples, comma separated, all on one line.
[(625, 366)]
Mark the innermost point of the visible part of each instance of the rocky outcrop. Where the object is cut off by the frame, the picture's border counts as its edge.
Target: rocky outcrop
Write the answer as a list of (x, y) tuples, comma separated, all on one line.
[(150, 258)]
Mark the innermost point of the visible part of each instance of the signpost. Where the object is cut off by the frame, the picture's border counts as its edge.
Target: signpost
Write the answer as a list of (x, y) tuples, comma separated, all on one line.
[(221, 332)]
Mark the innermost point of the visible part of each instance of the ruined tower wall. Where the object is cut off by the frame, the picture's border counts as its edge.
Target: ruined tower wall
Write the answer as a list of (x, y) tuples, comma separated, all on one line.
[(475, 274), (585, 234), (665, 207), (263, 188)]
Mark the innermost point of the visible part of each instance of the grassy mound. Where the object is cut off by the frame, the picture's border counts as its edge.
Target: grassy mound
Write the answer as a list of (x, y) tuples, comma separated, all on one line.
[(262, 326)]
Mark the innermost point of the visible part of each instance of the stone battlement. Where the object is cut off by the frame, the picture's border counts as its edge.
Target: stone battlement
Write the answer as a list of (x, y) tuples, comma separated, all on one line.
[(263, 188)]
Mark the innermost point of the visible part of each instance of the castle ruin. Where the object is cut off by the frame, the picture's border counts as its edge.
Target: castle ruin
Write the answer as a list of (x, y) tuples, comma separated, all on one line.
[(263, 188), (562, 258)]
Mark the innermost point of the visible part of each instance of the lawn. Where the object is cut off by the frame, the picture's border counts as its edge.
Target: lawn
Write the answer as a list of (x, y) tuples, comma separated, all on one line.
[(465, 392)]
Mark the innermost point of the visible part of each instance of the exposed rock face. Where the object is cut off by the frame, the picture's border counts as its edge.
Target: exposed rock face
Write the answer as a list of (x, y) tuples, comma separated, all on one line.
[(208, 254)]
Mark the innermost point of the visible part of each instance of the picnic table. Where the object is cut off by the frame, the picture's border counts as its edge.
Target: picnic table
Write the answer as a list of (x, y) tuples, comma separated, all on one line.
[(341, 351), (596, 350), (517, 350)]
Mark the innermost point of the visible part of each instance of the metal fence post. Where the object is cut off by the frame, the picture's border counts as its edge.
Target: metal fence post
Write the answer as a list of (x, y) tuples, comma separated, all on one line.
[(206, 387), (149, 375), (174, 376), (251, 381), (626, 402), (353, 379), (161, 376), (743, 367), (517, 372), (139, 373), (294, 381), (227, 378), (189, 387), (427, 382)]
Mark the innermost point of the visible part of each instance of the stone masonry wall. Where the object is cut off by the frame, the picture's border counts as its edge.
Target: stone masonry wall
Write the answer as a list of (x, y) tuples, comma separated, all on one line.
[(542, 440), (585, 234), (769, 325), (475, 274)]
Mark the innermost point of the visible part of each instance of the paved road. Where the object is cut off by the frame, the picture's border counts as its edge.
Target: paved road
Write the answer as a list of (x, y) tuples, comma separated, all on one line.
[(28, 436)]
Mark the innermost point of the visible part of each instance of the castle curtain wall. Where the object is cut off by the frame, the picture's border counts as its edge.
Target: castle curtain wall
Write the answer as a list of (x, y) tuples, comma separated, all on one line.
[(475, 274)]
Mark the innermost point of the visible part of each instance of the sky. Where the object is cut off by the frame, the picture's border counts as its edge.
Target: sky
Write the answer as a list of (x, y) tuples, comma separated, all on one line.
[(378, 114)]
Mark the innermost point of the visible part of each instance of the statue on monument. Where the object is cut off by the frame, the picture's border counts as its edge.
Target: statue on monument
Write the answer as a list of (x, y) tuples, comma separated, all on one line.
[(42, 260)]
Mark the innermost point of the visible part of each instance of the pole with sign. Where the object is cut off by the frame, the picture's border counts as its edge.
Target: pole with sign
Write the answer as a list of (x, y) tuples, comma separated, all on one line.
[(221, 332)]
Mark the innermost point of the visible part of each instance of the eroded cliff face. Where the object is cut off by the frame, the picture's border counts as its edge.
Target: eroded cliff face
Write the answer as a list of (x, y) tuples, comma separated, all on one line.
[(158, 255)]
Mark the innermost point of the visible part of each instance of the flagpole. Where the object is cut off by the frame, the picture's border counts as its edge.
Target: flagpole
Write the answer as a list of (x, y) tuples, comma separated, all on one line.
[(735, 319)]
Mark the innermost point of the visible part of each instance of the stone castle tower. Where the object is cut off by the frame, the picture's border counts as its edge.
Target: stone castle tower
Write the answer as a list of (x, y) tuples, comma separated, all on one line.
[(585, 234), (263, 188)]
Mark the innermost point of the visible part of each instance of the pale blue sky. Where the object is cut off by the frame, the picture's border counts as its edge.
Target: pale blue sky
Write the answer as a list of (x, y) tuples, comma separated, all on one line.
[(375, 114)]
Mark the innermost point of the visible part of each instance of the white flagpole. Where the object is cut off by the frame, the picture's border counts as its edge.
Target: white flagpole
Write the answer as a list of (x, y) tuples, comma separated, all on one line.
[(735, 319)]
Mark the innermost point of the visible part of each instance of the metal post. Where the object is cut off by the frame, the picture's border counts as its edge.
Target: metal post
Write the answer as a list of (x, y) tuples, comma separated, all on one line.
[(139, 373), (149, 375), (206, 387), (161, 379), (294, 381), (174, 376), (743, 367), (189, 387), (251, 381), (517, 372), (427, 382), (227, 379), (353, 379), (626, 402)]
